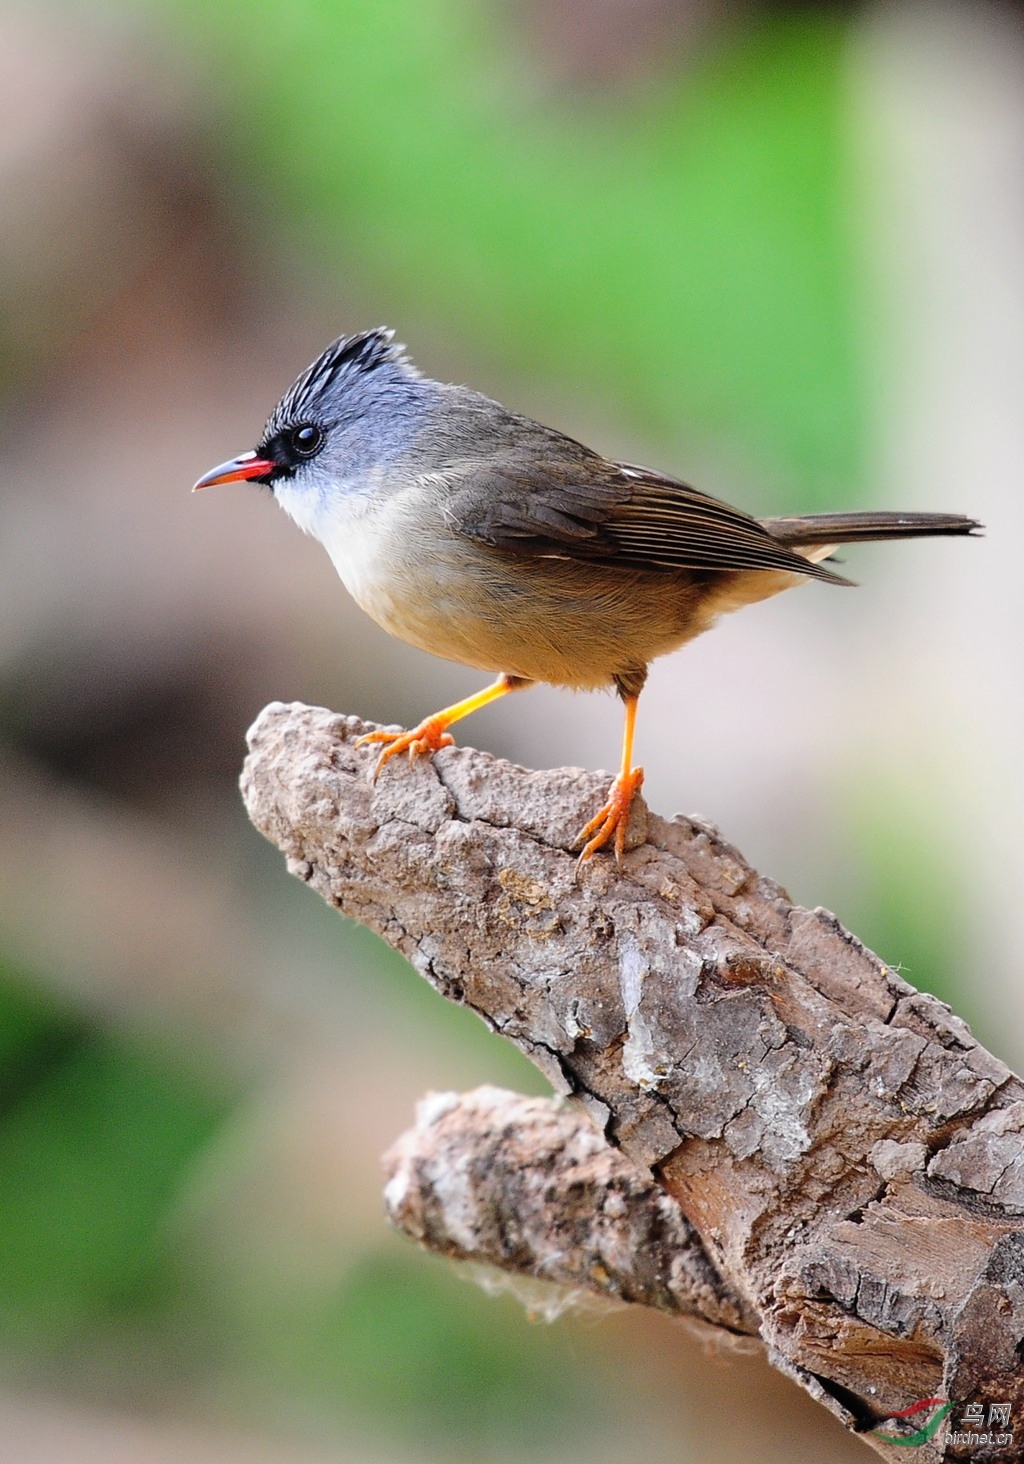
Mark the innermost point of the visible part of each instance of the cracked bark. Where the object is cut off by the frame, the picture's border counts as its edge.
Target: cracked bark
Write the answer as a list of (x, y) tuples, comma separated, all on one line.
[(844, 1163)]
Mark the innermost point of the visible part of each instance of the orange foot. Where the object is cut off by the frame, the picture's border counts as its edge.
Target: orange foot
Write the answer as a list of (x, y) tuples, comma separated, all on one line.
[(613, 819), (429, 737)]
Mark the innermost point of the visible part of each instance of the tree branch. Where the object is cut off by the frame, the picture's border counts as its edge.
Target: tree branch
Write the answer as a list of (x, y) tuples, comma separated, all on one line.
[(848, 1160), (530, 1186)]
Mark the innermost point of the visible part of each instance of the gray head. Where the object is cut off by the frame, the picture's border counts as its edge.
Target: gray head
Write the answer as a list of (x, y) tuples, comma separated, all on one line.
[(353, 411)]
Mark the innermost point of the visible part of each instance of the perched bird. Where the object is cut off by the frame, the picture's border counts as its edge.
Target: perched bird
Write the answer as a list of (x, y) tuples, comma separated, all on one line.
[(486, 538)]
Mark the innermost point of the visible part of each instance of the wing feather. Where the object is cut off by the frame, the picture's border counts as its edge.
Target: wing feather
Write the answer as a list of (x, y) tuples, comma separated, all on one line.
[(577, 505)]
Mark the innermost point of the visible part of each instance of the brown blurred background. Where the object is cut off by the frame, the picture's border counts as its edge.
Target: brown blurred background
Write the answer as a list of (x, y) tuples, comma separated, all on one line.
[(778, 250)]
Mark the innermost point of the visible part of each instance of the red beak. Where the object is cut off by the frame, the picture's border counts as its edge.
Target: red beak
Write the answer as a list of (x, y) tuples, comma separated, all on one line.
[(249, 465)]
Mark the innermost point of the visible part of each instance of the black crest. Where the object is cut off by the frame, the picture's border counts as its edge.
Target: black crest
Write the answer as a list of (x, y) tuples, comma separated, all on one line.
[(358, 354)]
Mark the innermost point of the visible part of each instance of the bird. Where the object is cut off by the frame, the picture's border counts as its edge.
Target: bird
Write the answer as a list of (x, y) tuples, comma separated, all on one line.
[(486, 538)]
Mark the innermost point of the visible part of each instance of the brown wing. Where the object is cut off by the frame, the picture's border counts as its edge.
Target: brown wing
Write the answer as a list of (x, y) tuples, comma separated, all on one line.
[(577, 505)]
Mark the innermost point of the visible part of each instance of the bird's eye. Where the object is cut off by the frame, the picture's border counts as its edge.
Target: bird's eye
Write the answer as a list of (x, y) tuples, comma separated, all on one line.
[(306, 439)]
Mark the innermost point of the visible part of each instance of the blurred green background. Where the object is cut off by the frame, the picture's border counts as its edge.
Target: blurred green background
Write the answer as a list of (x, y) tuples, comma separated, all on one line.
[(778, 250)]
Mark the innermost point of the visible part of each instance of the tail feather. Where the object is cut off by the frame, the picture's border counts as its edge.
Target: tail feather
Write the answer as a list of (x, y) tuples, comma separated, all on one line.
[(814, 529)]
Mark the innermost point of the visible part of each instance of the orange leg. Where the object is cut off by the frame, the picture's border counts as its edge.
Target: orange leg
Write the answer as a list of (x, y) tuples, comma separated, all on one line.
[(612, 821), (432, 734)]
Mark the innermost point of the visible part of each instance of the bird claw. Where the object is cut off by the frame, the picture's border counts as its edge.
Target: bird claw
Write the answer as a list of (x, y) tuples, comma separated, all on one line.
[(429, 737), (612, 820)]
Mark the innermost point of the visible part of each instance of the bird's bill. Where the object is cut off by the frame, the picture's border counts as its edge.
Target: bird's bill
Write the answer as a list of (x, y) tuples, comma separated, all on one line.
[(249, 465)]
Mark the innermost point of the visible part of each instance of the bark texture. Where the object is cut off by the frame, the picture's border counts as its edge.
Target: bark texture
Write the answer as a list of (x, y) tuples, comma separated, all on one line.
[(530, 1186), (846, 1162)]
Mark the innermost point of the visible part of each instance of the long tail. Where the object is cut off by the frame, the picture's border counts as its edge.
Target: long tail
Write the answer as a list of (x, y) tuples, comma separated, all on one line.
[(814, 536), (814, 530)]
